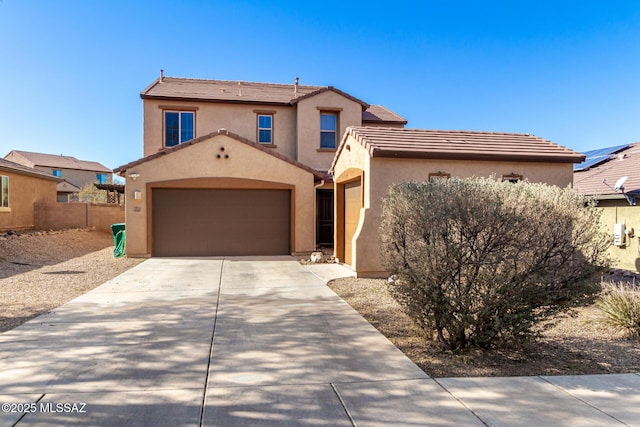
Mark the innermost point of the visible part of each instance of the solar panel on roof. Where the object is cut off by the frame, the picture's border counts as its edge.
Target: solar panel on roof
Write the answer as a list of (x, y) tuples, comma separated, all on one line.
[(598, 156)]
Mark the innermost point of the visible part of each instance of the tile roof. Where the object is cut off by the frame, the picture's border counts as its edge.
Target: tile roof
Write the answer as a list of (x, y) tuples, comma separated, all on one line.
[(56, 161), (622, 163), (121, 169), (458, 145), (380, 114), (6, 165), (67, 187), (183, 89), (225, 90)]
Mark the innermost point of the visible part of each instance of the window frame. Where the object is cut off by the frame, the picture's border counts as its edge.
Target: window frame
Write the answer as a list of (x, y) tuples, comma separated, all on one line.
[(438, 175), (4, 193), (336, 115), (57, 173), (99, 176), (260, 129), (179, 112), (513, 178)]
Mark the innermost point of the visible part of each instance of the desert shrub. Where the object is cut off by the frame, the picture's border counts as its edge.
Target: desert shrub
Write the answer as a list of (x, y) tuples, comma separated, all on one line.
[(621, 306), (479, 262)]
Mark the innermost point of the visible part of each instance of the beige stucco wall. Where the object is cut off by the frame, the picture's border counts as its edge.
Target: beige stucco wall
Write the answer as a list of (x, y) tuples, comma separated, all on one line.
[(380, 173), (240, 119), (308, 130), (79, 178), (59, 216), (296, 130), (24, 192), (200, 161), (627, 256)]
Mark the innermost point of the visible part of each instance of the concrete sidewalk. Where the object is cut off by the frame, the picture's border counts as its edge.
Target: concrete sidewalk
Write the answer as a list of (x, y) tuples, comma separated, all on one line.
[(258, 342)]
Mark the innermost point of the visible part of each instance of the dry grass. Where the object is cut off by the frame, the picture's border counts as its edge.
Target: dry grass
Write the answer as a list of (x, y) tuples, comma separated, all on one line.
[(577, 344)]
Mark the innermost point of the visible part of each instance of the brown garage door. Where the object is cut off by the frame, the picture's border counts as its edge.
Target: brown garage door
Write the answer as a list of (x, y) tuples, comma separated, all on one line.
[(205, 222), (352, 205)]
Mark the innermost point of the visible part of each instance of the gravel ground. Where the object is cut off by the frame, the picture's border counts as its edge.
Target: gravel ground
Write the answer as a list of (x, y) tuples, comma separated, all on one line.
[(42, 270), (575, 345)]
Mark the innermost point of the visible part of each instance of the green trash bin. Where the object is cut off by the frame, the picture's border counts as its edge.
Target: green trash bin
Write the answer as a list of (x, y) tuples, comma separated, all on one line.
[(119, 240)]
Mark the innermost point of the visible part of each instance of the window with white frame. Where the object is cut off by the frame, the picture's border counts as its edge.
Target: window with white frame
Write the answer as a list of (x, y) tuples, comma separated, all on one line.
[(328, 129), (178, 127), (4, 191), (265, 128)]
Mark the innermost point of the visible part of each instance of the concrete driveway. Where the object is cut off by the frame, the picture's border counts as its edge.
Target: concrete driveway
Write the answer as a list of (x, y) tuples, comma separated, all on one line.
[(257, 342)]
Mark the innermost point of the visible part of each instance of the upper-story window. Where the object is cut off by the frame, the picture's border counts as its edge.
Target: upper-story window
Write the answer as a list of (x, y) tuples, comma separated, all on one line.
[(57, 172), (328, 129), (4, 191), (101, 178), (178, 127), (265, 128)]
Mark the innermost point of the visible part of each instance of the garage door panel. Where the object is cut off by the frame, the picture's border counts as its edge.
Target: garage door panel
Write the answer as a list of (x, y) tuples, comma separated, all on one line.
[(206, 222)]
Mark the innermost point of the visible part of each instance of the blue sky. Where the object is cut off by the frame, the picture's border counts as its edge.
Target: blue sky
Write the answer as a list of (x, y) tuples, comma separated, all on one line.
[(71, 71)]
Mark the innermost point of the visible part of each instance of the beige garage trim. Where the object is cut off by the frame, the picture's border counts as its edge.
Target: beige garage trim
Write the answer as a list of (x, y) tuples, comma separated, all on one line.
[(214, 222)]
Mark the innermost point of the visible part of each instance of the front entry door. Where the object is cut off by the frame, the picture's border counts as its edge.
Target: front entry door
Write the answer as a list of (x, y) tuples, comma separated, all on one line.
[(324, 218), (352, 205)]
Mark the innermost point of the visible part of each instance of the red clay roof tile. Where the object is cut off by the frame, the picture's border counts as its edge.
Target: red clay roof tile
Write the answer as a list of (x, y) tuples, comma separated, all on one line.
[(183, 89), (6, 165), (380, 114), (460, 145)]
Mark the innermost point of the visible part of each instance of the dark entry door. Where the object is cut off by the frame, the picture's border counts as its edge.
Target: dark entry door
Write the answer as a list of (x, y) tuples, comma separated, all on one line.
[(324, 225)]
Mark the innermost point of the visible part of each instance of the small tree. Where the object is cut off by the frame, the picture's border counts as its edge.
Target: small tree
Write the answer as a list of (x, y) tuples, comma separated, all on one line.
[(480, 262)]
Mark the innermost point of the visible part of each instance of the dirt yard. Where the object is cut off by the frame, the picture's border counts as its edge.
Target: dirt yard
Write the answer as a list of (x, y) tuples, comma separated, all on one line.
[(575, 345), (42, 270)]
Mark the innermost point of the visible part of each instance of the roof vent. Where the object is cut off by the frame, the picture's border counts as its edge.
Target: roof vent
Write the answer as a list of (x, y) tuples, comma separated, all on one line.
[(622, 156), (295, 86), (239, 88), (161, 75)]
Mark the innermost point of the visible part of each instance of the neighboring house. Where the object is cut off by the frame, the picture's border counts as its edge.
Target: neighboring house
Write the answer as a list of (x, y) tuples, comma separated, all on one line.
[(597, 177), (370, 159), (75, 173), (20, 188), (238, 168)]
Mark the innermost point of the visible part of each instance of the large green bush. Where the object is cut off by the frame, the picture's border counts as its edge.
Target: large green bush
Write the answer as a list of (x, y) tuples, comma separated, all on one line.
[(479, 262)]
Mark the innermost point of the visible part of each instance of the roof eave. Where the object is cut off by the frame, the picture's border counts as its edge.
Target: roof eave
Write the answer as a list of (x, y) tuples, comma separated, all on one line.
[(148, 88), (121, 170), (213, 101), (399, 154), (385, 122), (363, 104), (32, 174)]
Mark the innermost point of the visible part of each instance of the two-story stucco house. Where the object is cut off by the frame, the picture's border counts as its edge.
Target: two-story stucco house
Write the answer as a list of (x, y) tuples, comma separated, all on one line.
[(73, 173), (238, 168)]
